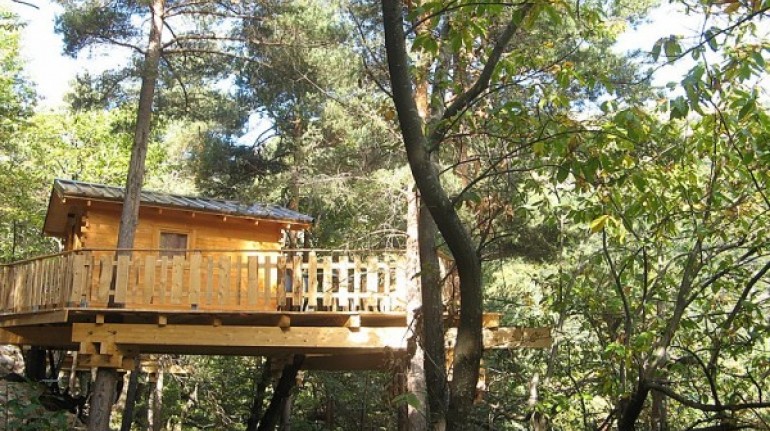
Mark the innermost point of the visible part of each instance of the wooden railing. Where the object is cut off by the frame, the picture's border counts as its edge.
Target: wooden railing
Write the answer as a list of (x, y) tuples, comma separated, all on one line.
[(244, 280)]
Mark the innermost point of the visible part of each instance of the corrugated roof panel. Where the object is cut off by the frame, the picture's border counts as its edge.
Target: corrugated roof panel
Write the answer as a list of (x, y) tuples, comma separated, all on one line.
[(257, 210)]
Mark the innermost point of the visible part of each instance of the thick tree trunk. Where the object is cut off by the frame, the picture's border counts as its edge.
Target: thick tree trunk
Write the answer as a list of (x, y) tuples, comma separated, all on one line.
[(131, 394), (415, 372), (282, 391), (468, 348), (101, 399), (259, 396), (101, 406)]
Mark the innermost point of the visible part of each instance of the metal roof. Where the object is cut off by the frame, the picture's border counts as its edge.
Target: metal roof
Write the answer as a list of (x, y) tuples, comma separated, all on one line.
[(78, 189)]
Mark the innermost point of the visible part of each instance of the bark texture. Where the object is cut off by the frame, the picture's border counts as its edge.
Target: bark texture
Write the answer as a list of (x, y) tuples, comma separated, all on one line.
[(432, 338), (259, 396), (283, 389), (131, 394), (101, 399), (415, 372)]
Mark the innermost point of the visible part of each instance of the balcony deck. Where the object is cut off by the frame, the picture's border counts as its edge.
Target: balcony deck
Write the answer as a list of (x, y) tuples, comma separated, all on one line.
[(342, 308)]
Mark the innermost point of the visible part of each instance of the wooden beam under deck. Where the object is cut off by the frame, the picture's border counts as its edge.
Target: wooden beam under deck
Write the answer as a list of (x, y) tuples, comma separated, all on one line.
[(34, 318), (353, 362), (58, 337), (294, 339), (206, 339)]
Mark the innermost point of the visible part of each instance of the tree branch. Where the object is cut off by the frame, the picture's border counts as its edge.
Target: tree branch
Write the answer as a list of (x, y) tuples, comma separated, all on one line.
[(706, 407)]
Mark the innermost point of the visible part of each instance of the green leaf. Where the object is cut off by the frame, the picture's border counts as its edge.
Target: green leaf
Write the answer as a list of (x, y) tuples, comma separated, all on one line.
[(562, 172), (656, 49), (712, 39), (747, 108), (672, 48), (679, 108), (598, 223), (409, 399)]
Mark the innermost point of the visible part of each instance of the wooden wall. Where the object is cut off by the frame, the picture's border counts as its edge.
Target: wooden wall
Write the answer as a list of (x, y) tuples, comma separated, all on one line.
[(100, 222)]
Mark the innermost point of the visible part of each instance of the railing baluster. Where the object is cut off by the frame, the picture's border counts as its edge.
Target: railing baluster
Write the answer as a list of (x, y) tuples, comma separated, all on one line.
[(105, 279), (195, 279), (149, 279), (78, 279), (312, 274), (121, 278), (298, 284), (281, 282), (163, 285), (223, 290), (177, 275), (209, 280), (344, 298), (371, 284), (251, 288), (239, 268), (327, 283), (269, 269)]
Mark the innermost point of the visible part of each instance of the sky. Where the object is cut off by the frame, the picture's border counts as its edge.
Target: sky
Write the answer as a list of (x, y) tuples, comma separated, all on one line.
[(46, 64), (52, 71)]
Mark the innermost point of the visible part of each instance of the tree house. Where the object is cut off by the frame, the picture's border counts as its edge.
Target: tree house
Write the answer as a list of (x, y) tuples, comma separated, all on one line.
[(209, 276)]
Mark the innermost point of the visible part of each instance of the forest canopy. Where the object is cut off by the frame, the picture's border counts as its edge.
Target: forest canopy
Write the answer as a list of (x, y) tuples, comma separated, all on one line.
[(571, 191)]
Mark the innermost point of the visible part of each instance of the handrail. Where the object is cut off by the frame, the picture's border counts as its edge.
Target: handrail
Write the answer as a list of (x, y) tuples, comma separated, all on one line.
[(44, 256), (207, 250), (208, 279)]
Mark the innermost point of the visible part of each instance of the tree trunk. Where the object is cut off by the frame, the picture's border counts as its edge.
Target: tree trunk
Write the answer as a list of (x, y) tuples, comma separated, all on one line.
[(468, 348), (633, 408), (432, 322), (259, 396), (101, 406), (286, 383), (130, 214), (415, 372), (286, 404), (34, 364), (131, 393), (155, 409), (101, 399)]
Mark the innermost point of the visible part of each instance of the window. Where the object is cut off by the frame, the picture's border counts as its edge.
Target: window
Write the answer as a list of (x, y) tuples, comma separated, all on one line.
[(174, 242)]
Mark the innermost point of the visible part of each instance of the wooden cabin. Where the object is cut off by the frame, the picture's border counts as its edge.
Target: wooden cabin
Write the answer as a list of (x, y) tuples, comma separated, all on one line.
[(209, 276)]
